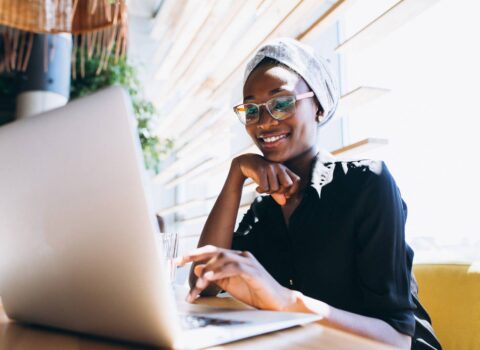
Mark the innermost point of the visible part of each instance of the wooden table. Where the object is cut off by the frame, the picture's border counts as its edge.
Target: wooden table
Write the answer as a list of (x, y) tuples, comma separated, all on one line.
[(14, 336)]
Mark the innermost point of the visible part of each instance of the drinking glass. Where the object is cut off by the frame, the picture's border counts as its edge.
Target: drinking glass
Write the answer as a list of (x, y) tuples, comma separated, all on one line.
[(169, 242)]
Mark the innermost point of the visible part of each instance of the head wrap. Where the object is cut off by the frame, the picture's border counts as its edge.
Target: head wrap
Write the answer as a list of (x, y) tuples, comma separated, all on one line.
[(303, 60)]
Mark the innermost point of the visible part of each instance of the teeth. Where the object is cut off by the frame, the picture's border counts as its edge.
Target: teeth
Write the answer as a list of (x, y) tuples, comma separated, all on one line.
[(273, 138)]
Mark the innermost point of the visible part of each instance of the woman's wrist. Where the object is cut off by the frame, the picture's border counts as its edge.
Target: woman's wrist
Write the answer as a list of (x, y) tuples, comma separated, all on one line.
[(298, 302), (235, 175)]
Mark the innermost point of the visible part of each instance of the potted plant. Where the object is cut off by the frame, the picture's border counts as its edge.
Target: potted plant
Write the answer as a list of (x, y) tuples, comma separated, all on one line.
[(121, 72)]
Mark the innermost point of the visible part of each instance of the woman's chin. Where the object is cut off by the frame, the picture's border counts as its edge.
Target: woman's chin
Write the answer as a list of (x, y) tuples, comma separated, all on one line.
[(275, 157)]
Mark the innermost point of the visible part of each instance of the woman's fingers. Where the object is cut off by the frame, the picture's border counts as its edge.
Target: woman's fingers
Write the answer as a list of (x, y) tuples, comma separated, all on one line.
[(200, 254), (272, 178), (295, 182), (198, 270), (279, 198), (284, 179), (224, 269), (196, 255), (228, 270), (285, 185), (288, 181), (263, 186), (224, 258), (194, 293), (276, 180)]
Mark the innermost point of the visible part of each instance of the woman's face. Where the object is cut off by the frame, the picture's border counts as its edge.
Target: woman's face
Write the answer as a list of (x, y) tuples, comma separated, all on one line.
[(298, 133)]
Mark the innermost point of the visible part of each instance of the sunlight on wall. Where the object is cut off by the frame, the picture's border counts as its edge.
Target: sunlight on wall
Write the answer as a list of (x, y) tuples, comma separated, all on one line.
[(431, 118)]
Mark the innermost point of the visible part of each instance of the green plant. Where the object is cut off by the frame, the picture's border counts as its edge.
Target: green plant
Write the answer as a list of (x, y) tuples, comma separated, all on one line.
[(122, 72)]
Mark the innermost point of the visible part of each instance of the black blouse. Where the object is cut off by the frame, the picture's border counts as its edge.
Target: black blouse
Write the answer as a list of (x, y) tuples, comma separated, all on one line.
[(344, 245)]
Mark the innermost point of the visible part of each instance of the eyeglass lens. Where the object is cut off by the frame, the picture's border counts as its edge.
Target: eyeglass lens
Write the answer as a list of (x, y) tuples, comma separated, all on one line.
[(280, 108)]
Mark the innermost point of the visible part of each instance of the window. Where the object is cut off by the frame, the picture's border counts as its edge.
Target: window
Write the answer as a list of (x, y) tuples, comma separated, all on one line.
[(430, 118)]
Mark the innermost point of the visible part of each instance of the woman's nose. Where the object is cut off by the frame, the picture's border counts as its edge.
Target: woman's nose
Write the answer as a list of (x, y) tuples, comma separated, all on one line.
[(265, 120)]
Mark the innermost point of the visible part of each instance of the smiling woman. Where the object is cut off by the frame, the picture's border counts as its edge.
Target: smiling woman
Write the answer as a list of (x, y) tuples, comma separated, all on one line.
[(330, 236), (287, 138)]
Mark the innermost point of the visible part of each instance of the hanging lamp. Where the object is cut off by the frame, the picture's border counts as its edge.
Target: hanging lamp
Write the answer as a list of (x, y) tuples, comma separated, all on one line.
[(98, 28)]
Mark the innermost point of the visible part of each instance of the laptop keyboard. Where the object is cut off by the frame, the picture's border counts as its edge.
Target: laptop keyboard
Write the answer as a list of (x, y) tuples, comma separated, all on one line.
[(191, 321)]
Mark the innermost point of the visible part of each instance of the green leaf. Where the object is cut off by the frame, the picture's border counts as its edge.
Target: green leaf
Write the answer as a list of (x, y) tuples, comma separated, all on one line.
[(123, 73)]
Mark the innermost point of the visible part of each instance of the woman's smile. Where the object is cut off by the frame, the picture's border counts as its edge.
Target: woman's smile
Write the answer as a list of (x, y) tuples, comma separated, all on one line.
[(270, 140)]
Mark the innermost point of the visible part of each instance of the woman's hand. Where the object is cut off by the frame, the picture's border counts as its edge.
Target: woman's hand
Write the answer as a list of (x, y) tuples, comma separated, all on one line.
[(238, 273), (272, 178)]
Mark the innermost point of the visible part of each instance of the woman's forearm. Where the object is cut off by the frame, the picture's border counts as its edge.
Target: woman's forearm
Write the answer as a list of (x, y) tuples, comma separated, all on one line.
[(220, 223), (369, 327)]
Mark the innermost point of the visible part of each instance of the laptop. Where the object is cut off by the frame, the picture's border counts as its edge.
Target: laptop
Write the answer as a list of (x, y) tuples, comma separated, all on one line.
[(77, 234)]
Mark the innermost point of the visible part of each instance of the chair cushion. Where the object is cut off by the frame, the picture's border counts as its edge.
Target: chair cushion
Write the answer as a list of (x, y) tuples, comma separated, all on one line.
[(451, 295)]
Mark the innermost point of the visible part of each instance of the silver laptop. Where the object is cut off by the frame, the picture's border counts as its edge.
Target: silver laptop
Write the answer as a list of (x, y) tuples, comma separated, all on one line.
[(77, 234)]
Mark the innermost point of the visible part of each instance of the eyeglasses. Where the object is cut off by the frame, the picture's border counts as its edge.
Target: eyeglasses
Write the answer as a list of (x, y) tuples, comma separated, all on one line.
[(280, 108)]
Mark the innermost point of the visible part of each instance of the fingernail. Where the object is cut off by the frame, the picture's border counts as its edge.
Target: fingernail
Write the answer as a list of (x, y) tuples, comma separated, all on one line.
[(201, 282), (189, 298), (208, 274)]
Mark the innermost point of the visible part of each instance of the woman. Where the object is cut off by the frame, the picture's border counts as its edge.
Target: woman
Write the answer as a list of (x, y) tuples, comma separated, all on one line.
[(330, 237)]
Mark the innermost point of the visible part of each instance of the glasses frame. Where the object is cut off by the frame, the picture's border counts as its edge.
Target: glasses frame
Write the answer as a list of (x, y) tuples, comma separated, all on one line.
[(297, 98)]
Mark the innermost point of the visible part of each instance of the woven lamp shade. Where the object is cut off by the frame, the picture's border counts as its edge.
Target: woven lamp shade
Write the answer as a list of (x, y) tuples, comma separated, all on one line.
[(99, 27)]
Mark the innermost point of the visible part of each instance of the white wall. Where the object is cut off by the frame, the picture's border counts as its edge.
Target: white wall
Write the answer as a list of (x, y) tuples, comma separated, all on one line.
[(431, 118)]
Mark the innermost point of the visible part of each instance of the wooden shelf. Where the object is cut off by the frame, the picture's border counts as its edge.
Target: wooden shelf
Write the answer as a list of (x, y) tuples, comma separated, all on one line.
[(359, 147), (190, 173), (328, 18), (357, 97), (194, 220), (390, 20), (225, 164), (179, 207)]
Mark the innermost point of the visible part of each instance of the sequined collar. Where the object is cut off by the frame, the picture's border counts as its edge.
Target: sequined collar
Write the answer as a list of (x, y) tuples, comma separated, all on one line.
[(322, 171)]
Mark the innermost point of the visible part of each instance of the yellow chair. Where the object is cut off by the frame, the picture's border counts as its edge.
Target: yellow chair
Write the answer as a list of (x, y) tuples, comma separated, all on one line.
[(451, 295)]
